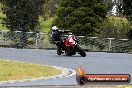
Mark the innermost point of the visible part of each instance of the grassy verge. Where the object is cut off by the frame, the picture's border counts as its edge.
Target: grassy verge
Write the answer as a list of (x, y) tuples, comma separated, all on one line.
[(10, 70)]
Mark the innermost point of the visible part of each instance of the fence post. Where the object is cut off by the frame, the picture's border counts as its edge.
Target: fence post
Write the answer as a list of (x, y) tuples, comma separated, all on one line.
[(36, 40), (110, 42)]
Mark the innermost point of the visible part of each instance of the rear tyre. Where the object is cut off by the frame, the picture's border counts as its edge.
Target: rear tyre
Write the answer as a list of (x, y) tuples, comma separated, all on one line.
[(80, 50)]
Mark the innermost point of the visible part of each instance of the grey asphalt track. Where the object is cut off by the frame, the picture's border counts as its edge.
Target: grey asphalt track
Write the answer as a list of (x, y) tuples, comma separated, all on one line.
[(93, 63)]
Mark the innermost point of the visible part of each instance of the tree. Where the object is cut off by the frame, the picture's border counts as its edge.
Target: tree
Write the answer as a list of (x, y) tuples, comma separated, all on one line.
[(22, 15), (115, 27), (49, 8), (130, 34), (110, 5), (127, 9), (127, 12), (82, 17)]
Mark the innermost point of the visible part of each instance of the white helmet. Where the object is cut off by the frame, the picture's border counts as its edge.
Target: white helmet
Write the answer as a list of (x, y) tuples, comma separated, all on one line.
[(54, 28)]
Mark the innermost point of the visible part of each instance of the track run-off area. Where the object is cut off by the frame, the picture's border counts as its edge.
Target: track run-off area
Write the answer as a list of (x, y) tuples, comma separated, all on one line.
[(93, 63)]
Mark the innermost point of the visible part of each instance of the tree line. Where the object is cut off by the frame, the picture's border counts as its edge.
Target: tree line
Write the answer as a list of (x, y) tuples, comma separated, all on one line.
[(83, 17)]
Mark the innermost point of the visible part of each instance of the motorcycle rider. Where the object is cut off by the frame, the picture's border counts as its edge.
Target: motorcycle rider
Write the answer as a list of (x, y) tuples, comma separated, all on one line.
[(55, 34), (56, 38)]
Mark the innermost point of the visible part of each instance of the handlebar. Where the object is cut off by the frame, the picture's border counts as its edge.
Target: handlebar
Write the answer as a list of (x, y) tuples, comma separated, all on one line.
[(64, 31)]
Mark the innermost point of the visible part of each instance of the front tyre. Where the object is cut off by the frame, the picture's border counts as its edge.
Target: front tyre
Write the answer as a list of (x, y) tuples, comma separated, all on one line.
[(83, 54), (58, 50), (80, 50)]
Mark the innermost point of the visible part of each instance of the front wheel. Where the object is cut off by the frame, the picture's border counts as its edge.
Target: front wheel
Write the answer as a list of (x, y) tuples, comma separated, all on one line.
[(83, 54), (80, 50), (58, 50)]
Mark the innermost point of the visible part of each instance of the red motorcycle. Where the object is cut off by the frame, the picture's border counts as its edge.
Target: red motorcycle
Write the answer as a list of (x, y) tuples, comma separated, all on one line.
[(70, 46)]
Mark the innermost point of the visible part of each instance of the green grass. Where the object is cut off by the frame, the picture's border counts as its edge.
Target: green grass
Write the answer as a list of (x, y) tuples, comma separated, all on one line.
[(2, 27), (10, 70)]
